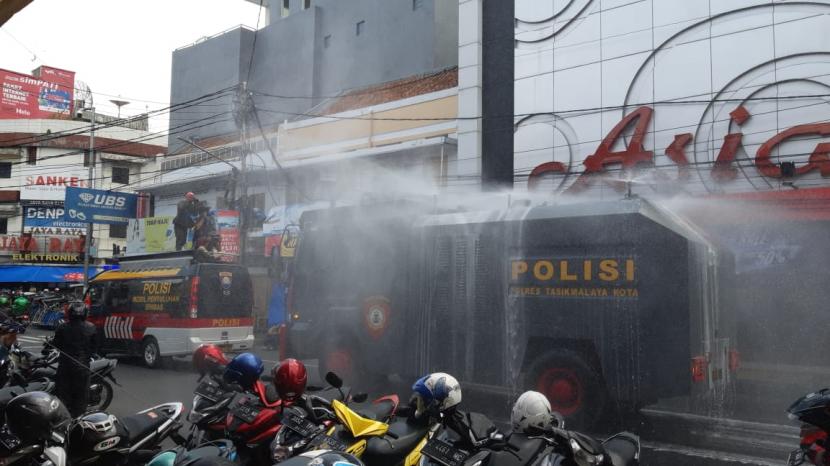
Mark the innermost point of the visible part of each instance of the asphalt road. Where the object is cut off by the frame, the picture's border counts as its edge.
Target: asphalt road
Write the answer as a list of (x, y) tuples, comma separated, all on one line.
[(140, 388)]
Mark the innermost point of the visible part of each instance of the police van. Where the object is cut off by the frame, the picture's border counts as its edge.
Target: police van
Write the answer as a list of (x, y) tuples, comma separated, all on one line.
[(169, 305)]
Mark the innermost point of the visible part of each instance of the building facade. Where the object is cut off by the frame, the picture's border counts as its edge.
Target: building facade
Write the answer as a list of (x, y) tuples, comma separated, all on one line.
[(42, 155), (309, 51)]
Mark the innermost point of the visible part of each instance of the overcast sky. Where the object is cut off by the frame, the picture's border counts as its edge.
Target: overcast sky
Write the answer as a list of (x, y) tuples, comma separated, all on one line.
[(118, 47)]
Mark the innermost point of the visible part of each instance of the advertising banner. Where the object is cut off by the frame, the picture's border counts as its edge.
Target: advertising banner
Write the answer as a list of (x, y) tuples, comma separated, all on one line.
[(50, 183), (12, 245), (151, 235), (42, 220), (99, 206), (227, 225), (47, 94)]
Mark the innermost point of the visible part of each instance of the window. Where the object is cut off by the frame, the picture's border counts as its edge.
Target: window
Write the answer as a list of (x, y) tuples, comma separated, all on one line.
[(5, 170), (120, 175), (118, 231), (327, 41), (31, 155), (4, 226), (306, 4), (417, 4), (286, 7), (360, 26)]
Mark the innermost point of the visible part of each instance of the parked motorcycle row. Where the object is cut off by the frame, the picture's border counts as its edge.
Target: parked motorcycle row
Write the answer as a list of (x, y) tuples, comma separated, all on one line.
[(236, 418)]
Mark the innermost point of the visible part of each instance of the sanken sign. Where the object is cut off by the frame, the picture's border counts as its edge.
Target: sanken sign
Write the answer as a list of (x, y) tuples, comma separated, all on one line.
[(98, 206)]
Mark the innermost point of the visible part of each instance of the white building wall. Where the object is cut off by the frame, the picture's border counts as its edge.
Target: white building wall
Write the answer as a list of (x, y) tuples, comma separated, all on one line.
[(582, 65)]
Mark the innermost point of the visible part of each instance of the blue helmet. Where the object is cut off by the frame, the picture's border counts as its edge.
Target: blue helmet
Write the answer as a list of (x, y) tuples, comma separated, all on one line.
[(244, 370), (436, 393)]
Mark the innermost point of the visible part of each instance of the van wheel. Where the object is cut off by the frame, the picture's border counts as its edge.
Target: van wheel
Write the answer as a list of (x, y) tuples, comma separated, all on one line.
[(150, 353), (572, 386)]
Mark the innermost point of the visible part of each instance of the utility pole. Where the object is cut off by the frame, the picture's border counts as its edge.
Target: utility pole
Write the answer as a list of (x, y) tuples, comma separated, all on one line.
[(90, 184), (243, 111)]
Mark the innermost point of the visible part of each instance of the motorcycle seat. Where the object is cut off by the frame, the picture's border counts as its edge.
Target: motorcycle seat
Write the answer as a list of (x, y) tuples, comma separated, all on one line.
[(141, 425), (520, 450), (379, 450), (622, 449), (375, 411)]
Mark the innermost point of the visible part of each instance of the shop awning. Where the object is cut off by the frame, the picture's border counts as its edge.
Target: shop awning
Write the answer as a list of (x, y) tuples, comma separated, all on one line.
[(43, 274)]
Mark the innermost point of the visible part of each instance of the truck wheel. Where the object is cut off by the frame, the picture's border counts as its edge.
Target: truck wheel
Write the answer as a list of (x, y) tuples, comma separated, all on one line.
[(150, 353), (572, 386)]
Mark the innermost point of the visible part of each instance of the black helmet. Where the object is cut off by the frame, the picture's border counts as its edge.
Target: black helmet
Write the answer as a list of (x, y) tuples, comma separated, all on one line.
[(77, 310), (813, 408), (33, 416), (92, 434)]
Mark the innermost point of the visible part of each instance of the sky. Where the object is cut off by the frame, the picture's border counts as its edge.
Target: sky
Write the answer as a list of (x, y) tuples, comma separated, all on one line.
[(117, 47)]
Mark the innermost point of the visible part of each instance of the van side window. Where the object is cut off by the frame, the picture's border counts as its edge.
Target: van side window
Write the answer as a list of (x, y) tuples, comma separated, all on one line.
[(118, 298), (96, 297)]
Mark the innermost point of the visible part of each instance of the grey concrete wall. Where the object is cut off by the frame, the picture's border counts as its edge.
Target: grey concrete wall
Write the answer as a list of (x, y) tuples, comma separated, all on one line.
[(291, 58), (203, 69)]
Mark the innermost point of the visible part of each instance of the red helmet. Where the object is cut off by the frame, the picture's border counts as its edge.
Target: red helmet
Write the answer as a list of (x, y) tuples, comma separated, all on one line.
[(290, 378), (207, 358)]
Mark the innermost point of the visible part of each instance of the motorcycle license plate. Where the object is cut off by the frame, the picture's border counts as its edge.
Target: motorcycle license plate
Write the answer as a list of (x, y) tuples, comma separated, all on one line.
[(245, 412), (300, 425), (209, 391), (444, 453), (327, 442)]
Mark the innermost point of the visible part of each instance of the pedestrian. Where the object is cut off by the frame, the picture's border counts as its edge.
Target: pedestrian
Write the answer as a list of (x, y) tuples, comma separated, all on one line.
[(77, 342), (186, 210)]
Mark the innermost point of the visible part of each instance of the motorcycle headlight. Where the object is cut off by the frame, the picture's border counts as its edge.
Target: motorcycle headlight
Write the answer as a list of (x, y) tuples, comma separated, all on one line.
[(582, 457)]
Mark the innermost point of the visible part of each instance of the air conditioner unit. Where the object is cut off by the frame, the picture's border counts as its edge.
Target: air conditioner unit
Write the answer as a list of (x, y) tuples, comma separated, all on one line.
[(9, 210)]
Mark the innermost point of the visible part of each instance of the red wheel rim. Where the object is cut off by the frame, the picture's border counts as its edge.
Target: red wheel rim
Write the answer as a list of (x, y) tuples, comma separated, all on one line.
[(563, 389), (340, 362)]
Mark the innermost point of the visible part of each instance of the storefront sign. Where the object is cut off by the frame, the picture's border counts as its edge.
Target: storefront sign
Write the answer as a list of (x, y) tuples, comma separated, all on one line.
[(40, 244), (43, 220), (99, 206), (50, 183), (723, 170), (151, 235), (50, 258)]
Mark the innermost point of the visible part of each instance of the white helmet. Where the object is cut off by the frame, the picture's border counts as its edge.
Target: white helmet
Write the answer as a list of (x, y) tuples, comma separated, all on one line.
[(436, 392), (532, 411)]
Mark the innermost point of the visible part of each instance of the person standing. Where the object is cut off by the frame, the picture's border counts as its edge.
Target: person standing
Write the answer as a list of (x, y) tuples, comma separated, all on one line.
[(77, 342), (186, 211)]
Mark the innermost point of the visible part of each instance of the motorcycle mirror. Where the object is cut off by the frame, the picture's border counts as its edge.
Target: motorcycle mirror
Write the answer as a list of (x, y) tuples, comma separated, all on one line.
[(360, 397), (334, 380)]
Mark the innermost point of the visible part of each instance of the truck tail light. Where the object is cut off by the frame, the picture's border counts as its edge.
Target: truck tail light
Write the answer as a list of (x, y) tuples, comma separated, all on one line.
[(734, 360), (194, 297), (699, 366)]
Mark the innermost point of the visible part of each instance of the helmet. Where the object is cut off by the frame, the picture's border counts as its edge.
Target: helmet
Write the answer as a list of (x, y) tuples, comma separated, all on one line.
[(436, 393), (244, 370), (20, 305), (4, 300), (190, 196), (532, 412), (813, 409), (208, 358), (290, 378), (33, 416), (76, 310), (330, 458), (91, 434)]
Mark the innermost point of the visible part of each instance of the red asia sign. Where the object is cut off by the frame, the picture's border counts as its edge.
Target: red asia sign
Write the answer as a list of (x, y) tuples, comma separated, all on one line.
[(723, 169), (47, 93)]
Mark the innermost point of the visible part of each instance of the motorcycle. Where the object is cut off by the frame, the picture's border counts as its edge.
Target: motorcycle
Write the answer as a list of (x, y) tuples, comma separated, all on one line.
[(336, 425), (554, 447), (209, 410), (812, 411), (181, 456), (28, 368)]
